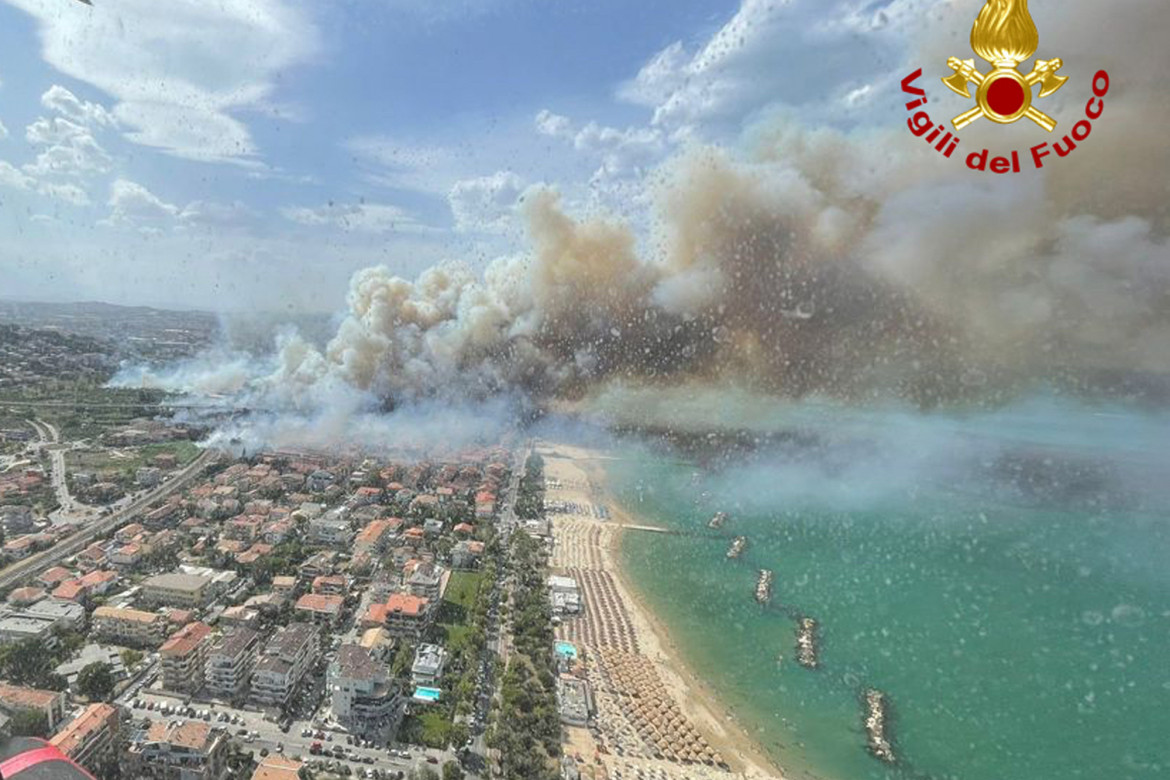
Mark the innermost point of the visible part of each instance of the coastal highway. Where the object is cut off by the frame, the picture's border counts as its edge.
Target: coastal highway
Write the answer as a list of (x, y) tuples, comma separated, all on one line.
[(50, 441), (22, 571)]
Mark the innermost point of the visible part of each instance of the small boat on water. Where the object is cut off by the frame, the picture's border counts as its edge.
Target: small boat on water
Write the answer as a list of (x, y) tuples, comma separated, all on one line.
[(738, 545), (718, 520), (764, 586), (876, 723), (806, 643)]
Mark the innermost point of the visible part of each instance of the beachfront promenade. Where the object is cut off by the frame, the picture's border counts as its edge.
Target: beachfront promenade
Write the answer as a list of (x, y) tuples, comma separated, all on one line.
[(650, 723)]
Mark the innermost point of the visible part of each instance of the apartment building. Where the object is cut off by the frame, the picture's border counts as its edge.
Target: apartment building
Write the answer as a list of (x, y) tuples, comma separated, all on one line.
[(184, 656), (404, 616), (230, 662), (283, 662), (91, 738), (177, 589), (426, 579), (319, 608), (17, 698), (429, 662), (179, 750), (125, 626), (361, 694)]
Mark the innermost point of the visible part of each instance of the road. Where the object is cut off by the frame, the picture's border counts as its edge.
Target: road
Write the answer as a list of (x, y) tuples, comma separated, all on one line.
[(23, 571), (71, 510), (499, 639), (269, 735)]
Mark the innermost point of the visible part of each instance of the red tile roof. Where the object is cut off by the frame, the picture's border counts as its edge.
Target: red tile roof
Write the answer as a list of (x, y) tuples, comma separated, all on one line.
[(406, 604), (185, 639), (72, 590), (75, 733), (319, 602)]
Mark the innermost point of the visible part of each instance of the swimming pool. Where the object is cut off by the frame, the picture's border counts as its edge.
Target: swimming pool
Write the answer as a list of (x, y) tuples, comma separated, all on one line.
[(428, 695)]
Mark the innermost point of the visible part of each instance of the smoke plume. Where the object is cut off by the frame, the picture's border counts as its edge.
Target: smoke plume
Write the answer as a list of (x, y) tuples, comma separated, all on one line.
[(809, 261)]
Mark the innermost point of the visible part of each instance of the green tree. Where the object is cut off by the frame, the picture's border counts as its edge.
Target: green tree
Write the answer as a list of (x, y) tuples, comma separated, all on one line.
[(29, 662), (403, 660), (96, 681), (130, 657), (29, 723), (452, 771)]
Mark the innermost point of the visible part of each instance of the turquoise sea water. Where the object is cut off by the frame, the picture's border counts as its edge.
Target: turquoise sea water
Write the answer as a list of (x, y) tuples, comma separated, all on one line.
[(1004, 578)]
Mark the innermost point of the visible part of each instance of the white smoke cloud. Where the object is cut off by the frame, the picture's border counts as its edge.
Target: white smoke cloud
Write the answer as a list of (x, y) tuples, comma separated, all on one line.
[(806, 262)]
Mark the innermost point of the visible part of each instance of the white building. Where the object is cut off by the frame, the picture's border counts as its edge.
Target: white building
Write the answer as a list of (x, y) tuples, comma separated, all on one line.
[(331, 529), (283, 663), (564, 595), (361, 694), (230, 662), (429, 661)]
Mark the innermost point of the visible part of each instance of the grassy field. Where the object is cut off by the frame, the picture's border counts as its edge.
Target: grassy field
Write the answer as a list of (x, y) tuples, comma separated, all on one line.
[(462, 587), (124, 461), (122, 406)]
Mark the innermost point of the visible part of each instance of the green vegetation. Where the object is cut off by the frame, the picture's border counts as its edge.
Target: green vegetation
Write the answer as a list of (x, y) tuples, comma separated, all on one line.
[(461, 628), (120, 465), (431, 727), (29, 723), (29, 662), (96, 681), (462, 588), (111, 406), (527, 731), (530, 496), (69, 642), (285, 559), (130, 657)]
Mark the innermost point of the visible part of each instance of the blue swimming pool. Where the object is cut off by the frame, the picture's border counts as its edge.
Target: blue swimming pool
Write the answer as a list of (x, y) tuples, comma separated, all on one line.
[(428, 695)]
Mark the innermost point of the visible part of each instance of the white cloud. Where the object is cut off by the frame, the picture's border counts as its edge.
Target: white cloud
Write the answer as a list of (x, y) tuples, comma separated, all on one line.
[(769, 52), (67, 142), (401, 164), (70, 193), (68, 105), (82, 155), (220, 216), (14, 177), (555, 125), (358, 218), (658, 78), (133, 205), (621, 153), (485, 204), (3, 131), (177, 69)]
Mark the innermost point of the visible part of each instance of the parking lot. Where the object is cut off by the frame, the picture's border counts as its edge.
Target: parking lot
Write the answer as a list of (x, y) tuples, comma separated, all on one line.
[(304, 740)]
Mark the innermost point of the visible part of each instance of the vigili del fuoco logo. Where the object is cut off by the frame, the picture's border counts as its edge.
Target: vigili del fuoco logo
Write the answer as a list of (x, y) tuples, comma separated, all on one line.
[(1005, 36)]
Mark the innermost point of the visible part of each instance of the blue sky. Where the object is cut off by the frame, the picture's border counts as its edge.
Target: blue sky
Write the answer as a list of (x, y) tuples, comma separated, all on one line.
[(254, 153)]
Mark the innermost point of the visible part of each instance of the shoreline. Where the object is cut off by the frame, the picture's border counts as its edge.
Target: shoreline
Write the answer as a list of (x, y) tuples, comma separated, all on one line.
[(734, 735), (695, 697)]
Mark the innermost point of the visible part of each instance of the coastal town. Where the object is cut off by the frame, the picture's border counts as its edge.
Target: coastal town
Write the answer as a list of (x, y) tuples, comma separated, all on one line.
[(175, 611)]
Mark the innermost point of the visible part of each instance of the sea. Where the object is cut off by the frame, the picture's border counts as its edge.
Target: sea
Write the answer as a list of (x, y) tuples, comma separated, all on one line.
[(1002, 575)]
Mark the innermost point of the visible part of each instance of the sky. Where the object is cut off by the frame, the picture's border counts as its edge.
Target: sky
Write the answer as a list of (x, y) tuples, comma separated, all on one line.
[(253, 154), (238, 154)]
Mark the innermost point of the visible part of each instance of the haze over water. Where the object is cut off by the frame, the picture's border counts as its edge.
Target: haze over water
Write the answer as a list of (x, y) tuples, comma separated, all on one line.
[(1001, 575)]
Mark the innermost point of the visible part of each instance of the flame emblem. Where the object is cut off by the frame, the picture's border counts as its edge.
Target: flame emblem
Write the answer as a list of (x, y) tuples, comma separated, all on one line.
[(1005, 35)]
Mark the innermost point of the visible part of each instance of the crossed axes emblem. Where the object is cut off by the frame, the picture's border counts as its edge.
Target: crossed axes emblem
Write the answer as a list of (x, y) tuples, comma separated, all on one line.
[(1004, 95)]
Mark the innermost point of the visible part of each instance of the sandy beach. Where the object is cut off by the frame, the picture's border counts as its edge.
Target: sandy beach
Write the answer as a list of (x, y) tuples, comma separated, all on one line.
[(655, 717)]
